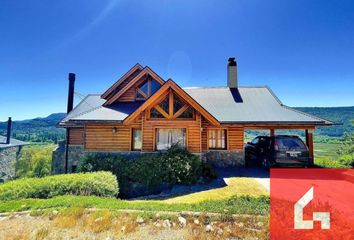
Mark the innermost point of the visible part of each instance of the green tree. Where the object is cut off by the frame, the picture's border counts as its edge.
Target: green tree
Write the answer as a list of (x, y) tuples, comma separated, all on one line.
[(35, 161)]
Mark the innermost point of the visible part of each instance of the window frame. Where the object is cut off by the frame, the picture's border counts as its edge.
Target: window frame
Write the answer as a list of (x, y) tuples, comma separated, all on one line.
[(149, 81), (133, 148), (171, 114), (217, 138), (170, 127)]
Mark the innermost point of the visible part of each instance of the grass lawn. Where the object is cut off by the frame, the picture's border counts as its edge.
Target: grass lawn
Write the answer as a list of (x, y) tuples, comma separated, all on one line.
[(240, 186), (235, 205), (240, 196)]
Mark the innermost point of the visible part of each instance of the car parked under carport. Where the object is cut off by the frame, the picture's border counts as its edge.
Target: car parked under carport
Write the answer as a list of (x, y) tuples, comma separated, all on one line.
[(279, 150)]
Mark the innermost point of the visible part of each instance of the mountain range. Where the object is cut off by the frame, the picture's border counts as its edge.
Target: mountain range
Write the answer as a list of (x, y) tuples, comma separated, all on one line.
[(45, 130)]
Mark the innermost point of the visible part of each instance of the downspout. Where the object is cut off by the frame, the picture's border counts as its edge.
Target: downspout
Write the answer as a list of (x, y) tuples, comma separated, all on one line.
[(70, 107)]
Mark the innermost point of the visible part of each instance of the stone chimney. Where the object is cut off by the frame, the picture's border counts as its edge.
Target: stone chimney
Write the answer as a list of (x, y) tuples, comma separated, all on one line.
[(232, 73)]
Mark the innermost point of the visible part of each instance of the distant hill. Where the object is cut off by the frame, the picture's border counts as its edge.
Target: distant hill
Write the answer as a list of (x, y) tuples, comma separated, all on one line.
[(44, 129), (37, 129), (340, 115)]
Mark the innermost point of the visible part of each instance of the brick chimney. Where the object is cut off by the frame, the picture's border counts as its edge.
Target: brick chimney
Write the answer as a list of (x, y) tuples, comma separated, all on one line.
[(232, 73)]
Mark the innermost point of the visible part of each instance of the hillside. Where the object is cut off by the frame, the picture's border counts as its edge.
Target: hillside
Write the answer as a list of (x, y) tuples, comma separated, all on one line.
[(37, 130), (344, 116), (44, 130)]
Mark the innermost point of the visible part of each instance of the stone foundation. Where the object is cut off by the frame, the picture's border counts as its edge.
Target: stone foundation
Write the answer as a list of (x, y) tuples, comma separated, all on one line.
[(217, 158), (74, 154), (224, 158), (8, 158), (58, 158)]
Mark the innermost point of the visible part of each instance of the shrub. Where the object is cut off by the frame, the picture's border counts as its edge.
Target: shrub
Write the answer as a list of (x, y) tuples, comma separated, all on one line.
[(97, 184), (347, 160), (176, 165)]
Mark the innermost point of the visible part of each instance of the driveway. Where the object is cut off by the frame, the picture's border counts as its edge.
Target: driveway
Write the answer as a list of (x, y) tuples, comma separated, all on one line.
[(259, 174), (230, 182)]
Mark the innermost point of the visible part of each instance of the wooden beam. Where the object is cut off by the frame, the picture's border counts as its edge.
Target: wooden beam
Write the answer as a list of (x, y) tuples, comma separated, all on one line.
[(273, 126), (170, 84), (121, 80), (141, 92), (170, 103), (143, 73), (180, 111), (165, 114), (309, 143)]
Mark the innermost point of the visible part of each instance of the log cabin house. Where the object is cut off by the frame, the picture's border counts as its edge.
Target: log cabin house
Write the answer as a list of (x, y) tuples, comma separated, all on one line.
[(142, 112)]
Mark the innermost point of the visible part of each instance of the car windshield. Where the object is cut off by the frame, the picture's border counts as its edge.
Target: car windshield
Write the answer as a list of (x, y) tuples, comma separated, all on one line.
[(289, 144)]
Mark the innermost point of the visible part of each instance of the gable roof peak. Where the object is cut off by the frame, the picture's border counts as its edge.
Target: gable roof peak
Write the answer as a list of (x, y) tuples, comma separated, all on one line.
[(132, 70), (174, 86), (143, 72)]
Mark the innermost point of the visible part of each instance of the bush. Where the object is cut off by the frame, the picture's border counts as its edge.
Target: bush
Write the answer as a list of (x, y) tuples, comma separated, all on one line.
[(347, 160), (98, 184), (176, 165)]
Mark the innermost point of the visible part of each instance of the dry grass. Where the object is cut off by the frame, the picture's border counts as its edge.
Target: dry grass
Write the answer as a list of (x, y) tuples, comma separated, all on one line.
[(78, 223), (240, 186), (42, 233)]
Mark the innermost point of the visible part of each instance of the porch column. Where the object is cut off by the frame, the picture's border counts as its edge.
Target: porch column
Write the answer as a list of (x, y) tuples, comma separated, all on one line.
[(272, 132), (309, 142)]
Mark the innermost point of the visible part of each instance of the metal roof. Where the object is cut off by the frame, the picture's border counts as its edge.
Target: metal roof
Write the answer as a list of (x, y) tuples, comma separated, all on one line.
[(91, 109), (245, 105), (248, 105), (13, 142)]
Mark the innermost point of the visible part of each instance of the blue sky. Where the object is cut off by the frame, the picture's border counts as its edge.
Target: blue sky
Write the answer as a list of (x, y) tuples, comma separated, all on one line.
[(303, 49)]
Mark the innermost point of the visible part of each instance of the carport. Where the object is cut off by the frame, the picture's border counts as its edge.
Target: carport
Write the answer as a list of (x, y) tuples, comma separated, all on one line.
[(308, 129), (254, 108)]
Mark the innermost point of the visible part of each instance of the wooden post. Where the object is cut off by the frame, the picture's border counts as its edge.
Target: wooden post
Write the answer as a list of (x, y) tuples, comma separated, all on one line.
[(309, 143), (272, 132)]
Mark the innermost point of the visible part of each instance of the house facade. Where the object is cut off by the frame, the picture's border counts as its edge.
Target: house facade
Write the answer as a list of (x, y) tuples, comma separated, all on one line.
[(142, 112), (10, 152)]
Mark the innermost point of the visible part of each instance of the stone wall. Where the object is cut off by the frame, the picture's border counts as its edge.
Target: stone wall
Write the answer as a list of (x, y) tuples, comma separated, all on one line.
[(216, 158), (223, 158), (74, 154), (8, 158), (58, 158)]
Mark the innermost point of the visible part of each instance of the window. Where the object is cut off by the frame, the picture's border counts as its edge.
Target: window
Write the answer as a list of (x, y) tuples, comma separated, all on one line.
[(217, 139), (255, 141), (166, 137), (136, 139), (289, 144), (146, 89), (179, 109)]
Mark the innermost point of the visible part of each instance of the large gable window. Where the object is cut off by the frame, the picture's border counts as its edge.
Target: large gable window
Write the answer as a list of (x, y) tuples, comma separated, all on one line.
[(147, 88), (172, 107), (166, 137)]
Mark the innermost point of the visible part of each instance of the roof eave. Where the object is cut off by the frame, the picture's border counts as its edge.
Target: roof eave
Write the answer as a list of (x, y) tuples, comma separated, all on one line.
[(81, 123), (292, 123)]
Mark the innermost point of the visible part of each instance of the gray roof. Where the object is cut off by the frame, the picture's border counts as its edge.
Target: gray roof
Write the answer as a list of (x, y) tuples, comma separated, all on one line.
[(242, 105), (13, 142), (91, 109), (248, 105)]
